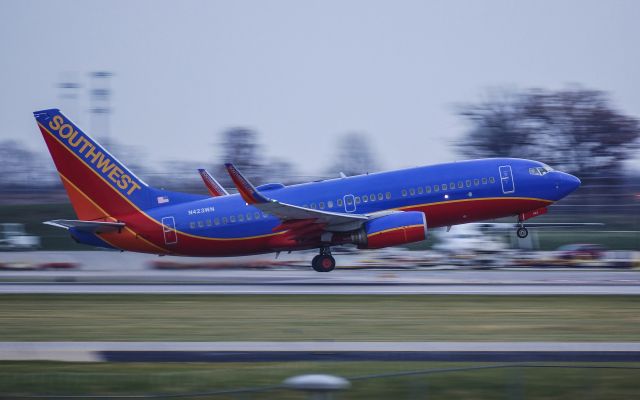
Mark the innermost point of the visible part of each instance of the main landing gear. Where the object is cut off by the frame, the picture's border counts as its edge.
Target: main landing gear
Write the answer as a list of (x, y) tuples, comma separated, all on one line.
[(324, 262)]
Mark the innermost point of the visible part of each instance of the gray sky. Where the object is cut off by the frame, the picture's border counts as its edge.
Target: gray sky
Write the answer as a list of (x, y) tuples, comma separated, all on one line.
[(303, 72)]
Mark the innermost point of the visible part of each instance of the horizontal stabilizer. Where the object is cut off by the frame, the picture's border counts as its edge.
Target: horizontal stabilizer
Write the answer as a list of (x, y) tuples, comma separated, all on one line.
[(86, 226)]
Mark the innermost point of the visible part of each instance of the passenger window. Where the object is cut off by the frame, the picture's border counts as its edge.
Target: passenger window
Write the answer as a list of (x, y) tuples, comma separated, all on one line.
[(248, 216), (436, 188), (321, 205), (484, 181), (241, 218), (419, 189), (313, 206), (468, 182), (476, 182), (412, 191), (427, 189), (388, 195), (208, 222), (265, 215), (192, 225), (339, 202), (200, 224), (452, 185), (232, 218), (460, 185), (444, 186), (357, 199), (256, 214), (492, 179), (380, 196), (216, 221), (330, 204), (372, 197), (404, 192), (349, 200), (365, 198), (224, 220)]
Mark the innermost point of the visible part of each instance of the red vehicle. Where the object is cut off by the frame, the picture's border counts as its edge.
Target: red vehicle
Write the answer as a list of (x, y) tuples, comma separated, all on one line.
[(581, 251)]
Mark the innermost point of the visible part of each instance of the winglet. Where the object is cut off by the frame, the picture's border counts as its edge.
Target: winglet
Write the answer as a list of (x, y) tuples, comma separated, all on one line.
[(248, 192), (212, 184)]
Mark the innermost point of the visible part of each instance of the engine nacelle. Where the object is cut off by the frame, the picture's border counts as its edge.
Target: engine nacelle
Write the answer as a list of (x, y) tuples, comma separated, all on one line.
[(392, 230)]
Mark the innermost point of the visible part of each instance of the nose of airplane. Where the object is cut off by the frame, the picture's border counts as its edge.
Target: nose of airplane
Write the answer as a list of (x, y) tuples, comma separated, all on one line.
[(567, 184)]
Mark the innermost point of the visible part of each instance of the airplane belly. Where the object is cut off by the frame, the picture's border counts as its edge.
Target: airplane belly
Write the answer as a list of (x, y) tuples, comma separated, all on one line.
[(462, 212)]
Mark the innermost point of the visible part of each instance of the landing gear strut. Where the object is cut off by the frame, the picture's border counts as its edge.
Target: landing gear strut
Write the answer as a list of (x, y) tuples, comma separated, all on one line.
[(522, 232), (324, 262)]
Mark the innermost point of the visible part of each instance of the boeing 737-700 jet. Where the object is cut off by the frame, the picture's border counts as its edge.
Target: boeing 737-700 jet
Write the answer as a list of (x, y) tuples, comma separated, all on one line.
[(118, 210)]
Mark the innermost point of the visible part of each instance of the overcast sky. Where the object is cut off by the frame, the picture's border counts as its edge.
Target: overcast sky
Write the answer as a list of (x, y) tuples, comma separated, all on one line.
[(303, 72)]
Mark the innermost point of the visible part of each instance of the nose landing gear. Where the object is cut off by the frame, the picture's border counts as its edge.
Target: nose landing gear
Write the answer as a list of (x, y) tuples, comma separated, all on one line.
[(324, 262), (522, 232)]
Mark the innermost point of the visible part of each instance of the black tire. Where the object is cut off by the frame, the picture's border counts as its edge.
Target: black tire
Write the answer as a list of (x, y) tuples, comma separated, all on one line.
[(314, 263), (522, 232), (324, 263)]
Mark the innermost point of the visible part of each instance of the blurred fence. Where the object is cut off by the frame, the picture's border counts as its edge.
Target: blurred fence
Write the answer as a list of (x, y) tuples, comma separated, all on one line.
[(499, 381)]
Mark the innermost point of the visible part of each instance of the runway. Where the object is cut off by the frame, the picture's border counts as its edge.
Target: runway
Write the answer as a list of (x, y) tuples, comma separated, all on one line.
[(321, 289), (121, 273), (320, 351)]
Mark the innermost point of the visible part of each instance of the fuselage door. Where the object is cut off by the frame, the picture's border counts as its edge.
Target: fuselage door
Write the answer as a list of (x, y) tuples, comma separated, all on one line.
[(169, 230), (349, 203), (506, 179)]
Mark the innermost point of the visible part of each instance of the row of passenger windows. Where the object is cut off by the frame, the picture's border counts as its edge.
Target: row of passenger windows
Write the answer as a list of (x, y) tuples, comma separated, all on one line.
[(228, 220), (451, 186), (350, 200)]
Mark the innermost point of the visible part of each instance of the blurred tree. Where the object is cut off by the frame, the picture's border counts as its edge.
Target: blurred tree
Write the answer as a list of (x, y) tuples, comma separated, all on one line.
[(575, 130), (24, 168), (354, 156), (240, 147)]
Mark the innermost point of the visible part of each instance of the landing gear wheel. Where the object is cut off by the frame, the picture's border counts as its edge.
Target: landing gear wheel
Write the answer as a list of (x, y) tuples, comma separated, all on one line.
[(324, 263), (522, 232), (314, 261)]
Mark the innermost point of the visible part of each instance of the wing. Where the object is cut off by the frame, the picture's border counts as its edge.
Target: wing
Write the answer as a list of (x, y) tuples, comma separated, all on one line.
[(86, 226), (212, 184), (288, 213)]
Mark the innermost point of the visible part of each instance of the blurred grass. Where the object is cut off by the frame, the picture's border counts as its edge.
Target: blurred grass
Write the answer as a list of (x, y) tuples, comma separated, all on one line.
[(308, 317), (173, 378)]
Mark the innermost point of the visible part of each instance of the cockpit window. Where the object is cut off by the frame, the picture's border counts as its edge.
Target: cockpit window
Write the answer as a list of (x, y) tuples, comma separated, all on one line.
[(540, 170)]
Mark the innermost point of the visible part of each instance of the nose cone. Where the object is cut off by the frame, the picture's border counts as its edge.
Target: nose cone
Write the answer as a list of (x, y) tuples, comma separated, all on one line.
[(567, 184), (573, 182)]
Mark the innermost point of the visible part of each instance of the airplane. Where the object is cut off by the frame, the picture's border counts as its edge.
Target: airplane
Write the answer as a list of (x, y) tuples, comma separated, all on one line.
[(118, 210)]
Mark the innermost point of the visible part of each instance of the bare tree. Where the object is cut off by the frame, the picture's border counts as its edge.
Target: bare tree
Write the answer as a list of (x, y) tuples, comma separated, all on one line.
[(24, 168), (574, 129), (354, 156)]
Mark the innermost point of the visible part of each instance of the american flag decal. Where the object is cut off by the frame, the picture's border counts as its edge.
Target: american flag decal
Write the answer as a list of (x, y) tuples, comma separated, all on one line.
[(163, 199)]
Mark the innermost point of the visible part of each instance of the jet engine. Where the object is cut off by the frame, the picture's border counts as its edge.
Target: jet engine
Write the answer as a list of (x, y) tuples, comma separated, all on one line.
[(392, 230)]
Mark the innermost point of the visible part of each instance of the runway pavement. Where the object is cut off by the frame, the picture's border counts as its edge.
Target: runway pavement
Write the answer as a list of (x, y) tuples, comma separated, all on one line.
[(319, 351), (321, 289), (115, 273)]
